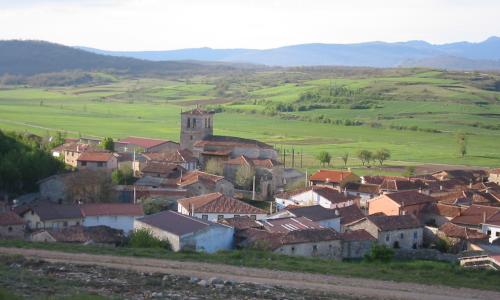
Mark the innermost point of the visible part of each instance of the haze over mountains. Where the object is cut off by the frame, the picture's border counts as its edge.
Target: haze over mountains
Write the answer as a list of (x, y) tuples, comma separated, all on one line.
[(461, 55)]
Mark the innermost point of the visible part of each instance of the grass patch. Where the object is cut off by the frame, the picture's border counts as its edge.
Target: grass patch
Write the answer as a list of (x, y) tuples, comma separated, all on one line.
[(424, 272)]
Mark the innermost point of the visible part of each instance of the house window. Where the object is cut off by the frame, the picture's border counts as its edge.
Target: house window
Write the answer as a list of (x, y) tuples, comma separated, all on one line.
[(77, 223), (100, 164), (206, 125), (387, 238), (204, 217), (402, 236), (10, 229), (415, 235), (315, 248), (293, 249), (489, 232), (220, 217), (194, 123), (83, 163), (236, 216), (498, 233), (65, 224), (208, 122), (253, 217), (191, 137)]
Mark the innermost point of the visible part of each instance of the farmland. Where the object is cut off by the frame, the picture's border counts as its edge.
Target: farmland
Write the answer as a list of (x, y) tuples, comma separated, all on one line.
[(415, 113)]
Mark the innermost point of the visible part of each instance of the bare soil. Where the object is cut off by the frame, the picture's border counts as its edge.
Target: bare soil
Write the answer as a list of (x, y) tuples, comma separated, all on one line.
[(291, 285)]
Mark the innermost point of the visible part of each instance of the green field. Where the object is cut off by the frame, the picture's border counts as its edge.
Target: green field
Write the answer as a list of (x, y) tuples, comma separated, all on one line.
[(413, 113)]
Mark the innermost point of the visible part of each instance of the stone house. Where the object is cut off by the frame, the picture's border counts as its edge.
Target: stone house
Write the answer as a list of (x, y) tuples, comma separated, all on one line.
[(349, 215), (357, 243), (97, 161), (102, 235), (164, 170), (317, 242), (333, 178), (401, 231), (465, 176), (328, 218), (400, 203), (141, 144), (325, 196), (459, 238), (476, 215), (199, 183), (268, 173), (72, 151), (216, 206), (184, 158), (491, 227), (44, 215), (114, 215), (283, 225), (11, 226), (494, 176), (184, 232)]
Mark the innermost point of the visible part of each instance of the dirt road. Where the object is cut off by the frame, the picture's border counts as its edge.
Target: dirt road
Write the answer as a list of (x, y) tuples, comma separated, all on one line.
[(356, 287)]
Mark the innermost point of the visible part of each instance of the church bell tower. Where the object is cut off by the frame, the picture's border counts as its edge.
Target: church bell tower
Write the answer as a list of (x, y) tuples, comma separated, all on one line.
[(196, 124)]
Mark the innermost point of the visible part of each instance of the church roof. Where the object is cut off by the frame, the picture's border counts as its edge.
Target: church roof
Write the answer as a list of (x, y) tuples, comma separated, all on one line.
[(230, 141)]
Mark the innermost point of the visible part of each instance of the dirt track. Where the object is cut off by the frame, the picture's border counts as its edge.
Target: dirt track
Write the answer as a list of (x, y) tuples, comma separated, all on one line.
[(356, 287)]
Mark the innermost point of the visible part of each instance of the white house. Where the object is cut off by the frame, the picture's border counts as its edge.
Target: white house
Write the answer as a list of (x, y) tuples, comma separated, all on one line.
[(186, 232), (216, 206), (328, 218), (115, 215), (325, 196), (44, 215), (491, 227)]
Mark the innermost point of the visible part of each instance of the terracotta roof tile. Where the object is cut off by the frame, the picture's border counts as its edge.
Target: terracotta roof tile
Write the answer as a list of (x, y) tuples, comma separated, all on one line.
[(10, 218), (362, 188), (455, 231), (242, 160), (173, 156), (218, 203), (230, 142), (388, 223), (195, 176), (96, 156), (112, 209), (357, 235), (475, 215), (241, 222), (143, 142), (412, 197), (350, 214), (335, 176), (165, 169)]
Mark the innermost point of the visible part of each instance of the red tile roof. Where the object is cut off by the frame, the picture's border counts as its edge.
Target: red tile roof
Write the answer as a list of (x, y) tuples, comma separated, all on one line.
[(362, 188), (334, 176), (96, 156), (494, 219), (274, 240), (357, 235), (455, 231), (401, 184), (329, 193), (242, 160), (289, 224), (195, 176), (218, 203), (143, 142), (389, 223), (405, 198), (173, 156), (230, 142), (475, 215), (112, 209), (350, 214), (166, 169), (10, 218)]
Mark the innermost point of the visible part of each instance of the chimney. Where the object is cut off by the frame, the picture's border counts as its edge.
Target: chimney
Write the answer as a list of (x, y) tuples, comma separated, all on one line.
[(440, 187), (337, 212), (77, 148), (420, 190), (470, 184), (484, 217)]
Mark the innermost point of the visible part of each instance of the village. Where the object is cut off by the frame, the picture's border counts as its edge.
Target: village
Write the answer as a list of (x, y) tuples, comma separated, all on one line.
[(210, 193)]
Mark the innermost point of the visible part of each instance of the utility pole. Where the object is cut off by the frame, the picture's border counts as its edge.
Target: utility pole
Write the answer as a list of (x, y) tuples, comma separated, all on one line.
[(284, 157), (253, 189), (293, 157), (301, 154)]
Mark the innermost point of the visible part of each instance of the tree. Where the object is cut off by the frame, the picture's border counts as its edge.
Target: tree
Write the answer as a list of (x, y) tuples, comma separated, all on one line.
[(462, 143), (365, 156), (108, 144), (244, 177), (409, 171), (324, 158), (382, 155), (214, 166), (345, 158), (123, 175)]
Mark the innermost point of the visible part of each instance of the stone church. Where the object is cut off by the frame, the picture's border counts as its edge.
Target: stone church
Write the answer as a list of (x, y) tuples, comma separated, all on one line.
[(197, 136)]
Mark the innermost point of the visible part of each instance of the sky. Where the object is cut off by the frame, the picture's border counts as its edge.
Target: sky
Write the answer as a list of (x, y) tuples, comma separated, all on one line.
[(259, 24)]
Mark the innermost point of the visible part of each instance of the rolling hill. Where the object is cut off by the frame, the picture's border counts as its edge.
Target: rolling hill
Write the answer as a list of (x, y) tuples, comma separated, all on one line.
[(35, 57), (466, 56)]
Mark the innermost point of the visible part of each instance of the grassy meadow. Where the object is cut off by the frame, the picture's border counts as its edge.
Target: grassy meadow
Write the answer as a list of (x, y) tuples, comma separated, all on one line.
[(415, 113)]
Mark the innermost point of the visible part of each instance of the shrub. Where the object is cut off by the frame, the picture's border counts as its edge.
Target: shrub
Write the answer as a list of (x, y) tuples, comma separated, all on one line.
[(380, 253), (143, 238)]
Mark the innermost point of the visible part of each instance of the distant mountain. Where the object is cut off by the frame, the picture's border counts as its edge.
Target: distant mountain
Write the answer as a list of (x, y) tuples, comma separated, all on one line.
[(35, 57), (371, 54), (454, 63)]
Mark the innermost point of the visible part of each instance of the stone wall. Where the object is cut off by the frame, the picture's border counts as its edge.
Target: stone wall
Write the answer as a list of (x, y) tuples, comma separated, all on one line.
[(424, 254)]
